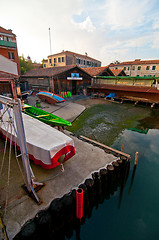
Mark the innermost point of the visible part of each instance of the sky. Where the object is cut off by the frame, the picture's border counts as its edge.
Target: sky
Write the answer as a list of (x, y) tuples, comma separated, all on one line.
[(108, 30)]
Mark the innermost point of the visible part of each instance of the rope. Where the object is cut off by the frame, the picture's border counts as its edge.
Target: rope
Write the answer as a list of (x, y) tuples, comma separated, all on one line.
[(5, 147), (3, 228)]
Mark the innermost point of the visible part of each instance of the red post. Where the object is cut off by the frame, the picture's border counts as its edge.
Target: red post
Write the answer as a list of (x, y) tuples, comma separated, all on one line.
[(79, 203)]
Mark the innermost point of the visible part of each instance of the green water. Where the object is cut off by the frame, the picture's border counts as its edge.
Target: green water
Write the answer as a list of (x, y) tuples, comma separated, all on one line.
[(138, 215)]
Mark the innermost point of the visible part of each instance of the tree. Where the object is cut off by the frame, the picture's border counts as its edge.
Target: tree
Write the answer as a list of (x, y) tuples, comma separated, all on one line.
[(25, 65)]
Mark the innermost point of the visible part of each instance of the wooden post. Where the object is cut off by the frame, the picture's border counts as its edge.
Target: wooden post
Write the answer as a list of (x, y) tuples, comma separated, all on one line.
[(136, 158), (122, 147)]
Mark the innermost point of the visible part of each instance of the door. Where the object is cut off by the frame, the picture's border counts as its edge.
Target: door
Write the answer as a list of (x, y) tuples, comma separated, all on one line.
[(74, 87)]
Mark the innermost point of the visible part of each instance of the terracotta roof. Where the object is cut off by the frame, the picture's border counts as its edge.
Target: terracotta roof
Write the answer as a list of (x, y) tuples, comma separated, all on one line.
[(116, 72), (136, 62), (73, 53), (3, 30), (48, 72), (95, 71), (7, 75)]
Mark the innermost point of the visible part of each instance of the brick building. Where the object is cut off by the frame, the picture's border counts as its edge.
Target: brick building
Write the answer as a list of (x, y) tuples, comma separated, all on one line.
[(8, 49)]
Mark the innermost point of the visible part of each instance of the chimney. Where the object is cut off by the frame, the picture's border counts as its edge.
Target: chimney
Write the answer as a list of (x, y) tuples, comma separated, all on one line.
[(86, 54)]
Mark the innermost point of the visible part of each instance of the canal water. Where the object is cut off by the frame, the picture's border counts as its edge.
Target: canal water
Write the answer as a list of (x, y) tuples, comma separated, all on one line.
[(136, 214)]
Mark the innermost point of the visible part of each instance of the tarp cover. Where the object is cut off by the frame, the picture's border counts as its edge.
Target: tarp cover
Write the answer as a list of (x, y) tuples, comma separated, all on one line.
[(45, 144), (111, 95)]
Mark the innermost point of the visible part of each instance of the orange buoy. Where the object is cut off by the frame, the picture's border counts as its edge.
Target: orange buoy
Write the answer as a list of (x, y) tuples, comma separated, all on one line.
[(79, 203)]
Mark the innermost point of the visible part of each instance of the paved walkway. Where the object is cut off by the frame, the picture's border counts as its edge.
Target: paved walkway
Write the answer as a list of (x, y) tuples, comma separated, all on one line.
[(67, 110)]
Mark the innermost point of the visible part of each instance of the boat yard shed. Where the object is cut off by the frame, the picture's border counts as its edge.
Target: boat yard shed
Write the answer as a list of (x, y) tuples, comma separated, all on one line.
[(145, 88), (68, 78)]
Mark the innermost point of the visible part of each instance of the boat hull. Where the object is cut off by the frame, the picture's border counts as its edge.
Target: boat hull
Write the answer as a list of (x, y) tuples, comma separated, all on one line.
[(50, 97), (45, 116), (47, 98)]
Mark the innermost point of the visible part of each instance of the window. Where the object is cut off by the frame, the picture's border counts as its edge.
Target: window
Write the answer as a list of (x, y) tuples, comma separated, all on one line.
[(63, 59), (84, 62), (153, 67), (44, 65), (54, 60), (8, 39), (139, 68), (1, 38), (148, 68), (133, 68), (124, 68), (11, 55), (50, 60), (128, 68), (79, 61), (59, 59)]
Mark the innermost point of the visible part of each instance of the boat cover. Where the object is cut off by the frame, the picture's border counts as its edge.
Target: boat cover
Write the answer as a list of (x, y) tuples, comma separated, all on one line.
[(45, 144)]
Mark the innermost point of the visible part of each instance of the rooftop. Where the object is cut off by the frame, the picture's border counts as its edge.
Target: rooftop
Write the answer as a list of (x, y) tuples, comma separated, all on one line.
[(9, 31), (135, 62), (94, 71), (76, 54), (53, 71)]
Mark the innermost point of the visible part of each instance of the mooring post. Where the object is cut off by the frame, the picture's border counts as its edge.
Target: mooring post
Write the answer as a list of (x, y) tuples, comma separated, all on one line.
[(136, 158), (122, 147)]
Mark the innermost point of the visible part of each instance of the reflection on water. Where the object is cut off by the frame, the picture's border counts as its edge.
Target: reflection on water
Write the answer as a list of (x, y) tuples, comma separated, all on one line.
[(132, 211)]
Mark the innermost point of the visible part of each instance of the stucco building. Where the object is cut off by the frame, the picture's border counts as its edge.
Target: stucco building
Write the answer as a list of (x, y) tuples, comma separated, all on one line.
[(66, 58), (143, 68)]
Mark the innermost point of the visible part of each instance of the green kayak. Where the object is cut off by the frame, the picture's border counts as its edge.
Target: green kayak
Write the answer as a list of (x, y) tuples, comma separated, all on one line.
[(45, 117)]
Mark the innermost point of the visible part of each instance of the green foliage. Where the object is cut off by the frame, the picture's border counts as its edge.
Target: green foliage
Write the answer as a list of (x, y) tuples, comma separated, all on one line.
[(25, 65)]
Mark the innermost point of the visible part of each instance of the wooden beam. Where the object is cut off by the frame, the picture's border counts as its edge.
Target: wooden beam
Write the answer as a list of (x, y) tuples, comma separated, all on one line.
[(106, 147)]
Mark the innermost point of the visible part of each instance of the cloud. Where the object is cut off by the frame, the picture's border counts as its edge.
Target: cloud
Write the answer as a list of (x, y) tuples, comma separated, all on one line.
[(155, 40), (156, 24), (138, 42), (123, 14), (86, 25)]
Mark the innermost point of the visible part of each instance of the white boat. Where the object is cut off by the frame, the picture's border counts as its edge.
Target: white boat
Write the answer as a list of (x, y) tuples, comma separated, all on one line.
[(45, 144)]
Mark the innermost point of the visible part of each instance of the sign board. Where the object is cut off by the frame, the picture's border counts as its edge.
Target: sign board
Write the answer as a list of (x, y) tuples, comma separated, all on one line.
[(74, 76)]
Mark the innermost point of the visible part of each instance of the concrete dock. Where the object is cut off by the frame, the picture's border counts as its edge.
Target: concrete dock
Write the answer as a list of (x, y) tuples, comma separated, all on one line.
[(87, 159)]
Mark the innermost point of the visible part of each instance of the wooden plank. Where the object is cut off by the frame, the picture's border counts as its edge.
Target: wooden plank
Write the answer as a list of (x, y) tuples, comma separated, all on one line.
[(106, 147)]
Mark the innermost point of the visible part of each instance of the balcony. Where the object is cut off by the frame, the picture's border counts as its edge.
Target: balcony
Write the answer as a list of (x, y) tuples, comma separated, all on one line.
[(8, 44)]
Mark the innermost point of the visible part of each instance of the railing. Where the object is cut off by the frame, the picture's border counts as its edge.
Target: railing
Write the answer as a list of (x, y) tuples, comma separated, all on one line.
[(8, 44)]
